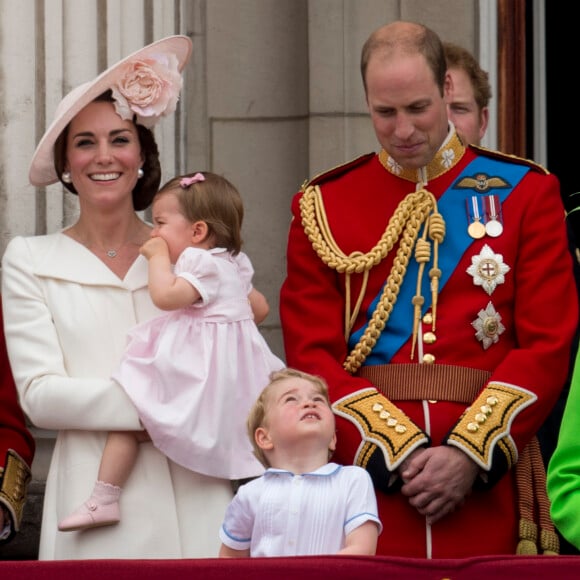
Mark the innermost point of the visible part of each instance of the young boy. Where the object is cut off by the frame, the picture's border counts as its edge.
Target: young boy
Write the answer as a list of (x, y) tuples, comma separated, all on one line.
[(302, 505)]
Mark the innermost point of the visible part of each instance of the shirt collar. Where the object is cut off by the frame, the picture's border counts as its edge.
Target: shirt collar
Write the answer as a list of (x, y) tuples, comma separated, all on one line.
[(325, 470)]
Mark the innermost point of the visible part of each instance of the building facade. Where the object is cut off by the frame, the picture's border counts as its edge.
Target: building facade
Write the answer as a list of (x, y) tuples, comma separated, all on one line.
[(272, 96)]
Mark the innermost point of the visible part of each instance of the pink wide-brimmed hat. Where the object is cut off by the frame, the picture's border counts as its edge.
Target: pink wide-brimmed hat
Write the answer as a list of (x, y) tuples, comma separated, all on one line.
[(145, 86)]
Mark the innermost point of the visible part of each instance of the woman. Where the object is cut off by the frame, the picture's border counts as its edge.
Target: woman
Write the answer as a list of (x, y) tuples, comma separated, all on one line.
[(71, 297), (193, 412)]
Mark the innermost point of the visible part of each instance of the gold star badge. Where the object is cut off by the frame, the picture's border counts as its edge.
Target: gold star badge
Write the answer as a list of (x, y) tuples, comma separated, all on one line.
[(488, 326)]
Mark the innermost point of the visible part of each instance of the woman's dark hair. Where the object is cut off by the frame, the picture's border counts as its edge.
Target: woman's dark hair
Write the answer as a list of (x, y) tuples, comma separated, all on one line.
[(146, 187)]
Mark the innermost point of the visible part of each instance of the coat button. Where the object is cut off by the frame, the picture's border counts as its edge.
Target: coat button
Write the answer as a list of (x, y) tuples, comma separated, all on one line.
[(429, 338)]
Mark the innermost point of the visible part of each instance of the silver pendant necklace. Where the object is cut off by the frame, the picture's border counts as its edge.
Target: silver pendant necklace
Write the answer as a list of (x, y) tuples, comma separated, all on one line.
[(100, 249)]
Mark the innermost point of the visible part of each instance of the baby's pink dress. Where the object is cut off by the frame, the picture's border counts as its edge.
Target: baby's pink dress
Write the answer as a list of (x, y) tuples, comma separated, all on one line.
[(194, 373)]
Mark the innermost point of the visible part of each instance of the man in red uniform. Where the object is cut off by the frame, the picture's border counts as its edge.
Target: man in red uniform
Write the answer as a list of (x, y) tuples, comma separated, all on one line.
[(431, 286), (16, 450)]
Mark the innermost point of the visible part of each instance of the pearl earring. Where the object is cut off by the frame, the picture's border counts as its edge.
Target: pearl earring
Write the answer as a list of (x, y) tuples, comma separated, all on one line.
[(66, 177), (140, 173)]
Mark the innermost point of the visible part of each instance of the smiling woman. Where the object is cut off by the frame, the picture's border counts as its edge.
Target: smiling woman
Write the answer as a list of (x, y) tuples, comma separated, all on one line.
[(70, 299), (102, 161)]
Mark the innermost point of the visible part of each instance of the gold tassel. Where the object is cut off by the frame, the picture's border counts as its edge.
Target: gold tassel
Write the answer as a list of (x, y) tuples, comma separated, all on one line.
[(534, 504), (422, 256), (437, 234), (528, 538), (549, 542)]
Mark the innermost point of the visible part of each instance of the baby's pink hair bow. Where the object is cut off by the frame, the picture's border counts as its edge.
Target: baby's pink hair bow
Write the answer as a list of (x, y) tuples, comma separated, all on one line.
[(187, 181)]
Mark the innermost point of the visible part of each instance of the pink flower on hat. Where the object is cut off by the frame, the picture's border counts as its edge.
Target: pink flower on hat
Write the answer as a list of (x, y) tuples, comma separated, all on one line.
[(149, 88)]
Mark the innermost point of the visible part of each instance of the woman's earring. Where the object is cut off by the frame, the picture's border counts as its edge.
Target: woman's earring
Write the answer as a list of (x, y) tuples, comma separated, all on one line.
[(140, 173), (66, 177)]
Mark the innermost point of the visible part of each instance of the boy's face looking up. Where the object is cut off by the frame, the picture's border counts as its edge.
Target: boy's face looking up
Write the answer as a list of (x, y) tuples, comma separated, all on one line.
[(298, 413)]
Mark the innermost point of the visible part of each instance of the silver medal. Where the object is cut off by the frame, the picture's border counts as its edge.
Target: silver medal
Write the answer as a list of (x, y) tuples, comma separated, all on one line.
[(493, 228)]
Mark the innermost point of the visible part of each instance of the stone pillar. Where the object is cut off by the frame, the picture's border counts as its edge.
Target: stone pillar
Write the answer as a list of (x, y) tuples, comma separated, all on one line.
[(257, 115)]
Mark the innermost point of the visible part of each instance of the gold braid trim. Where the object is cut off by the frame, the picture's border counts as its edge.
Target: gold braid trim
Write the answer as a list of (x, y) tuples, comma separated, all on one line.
[(13, 486), (486, 423), (417, 209), (380, 423), (364, 454)]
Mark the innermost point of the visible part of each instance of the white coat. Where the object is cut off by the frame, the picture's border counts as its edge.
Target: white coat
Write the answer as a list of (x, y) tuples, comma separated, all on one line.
[(66, 318)]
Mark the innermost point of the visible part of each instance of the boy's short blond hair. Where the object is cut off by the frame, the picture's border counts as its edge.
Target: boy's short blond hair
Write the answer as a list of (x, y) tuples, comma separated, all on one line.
[(258, 412)]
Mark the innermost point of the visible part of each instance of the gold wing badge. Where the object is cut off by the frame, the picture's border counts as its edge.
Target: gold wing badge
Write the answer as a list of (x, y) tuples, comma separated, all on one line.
[(482, 183)]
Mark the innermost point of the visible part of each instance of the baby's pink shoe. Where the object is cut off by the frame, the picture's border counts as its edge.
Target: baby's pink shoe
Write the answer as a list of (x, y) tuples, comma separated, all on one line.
[(101, 509)]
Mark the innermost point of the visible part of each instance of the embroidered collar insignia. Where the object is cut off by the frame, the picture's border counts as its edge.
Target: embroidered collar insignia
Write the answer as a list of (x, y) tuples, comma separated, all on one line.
[(445, 159)]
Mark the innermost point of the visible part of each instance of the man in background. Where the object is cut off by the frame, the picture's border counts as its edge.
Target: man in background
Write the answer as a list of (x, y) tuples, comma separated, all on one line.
[(470, 93)]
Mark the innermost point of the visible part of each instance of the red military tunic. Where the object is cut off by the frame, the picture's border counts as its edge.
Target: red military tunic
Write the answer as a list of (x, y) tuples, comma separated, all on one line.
[(506, 313), (16, 444)]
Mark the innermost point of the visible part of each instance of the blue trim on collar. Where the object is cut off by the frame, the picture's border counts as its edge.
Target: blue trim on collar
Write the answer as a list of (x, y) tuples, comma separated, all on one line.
[(325, 470)]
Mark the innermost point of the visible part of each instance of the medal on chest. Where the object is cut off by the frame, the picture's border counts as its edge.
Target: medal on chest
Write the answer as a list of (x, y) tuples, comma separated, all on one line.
[(488, 269), (493, 220), (475, 227)]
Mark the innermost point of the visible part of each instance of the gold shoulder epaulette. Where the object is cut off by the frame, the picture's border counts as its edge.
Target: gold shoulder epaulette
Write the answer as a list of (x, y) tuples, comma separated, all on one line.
[(338, 170), (508, 157)]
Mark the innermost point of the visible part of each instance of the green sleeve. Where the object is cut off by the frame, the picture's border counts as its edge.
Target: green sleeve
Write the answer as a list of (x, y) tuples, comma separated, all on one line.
[(563, 476)]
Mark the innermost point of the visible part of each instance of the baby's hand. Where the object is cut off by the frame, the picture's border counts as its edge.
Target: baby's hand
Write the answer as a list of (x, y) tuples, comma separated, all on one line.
[(154, 247)]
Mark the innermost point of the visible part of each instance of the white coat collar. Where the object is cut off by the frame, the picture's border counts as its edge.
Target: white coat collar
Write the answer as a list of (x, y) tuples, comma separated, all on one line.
[(59, 256)]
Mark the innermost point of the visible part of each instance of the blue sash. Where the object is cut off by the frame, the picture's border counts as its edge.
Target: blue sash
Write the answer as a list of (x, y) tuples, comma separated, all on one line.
[(452, 206)]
